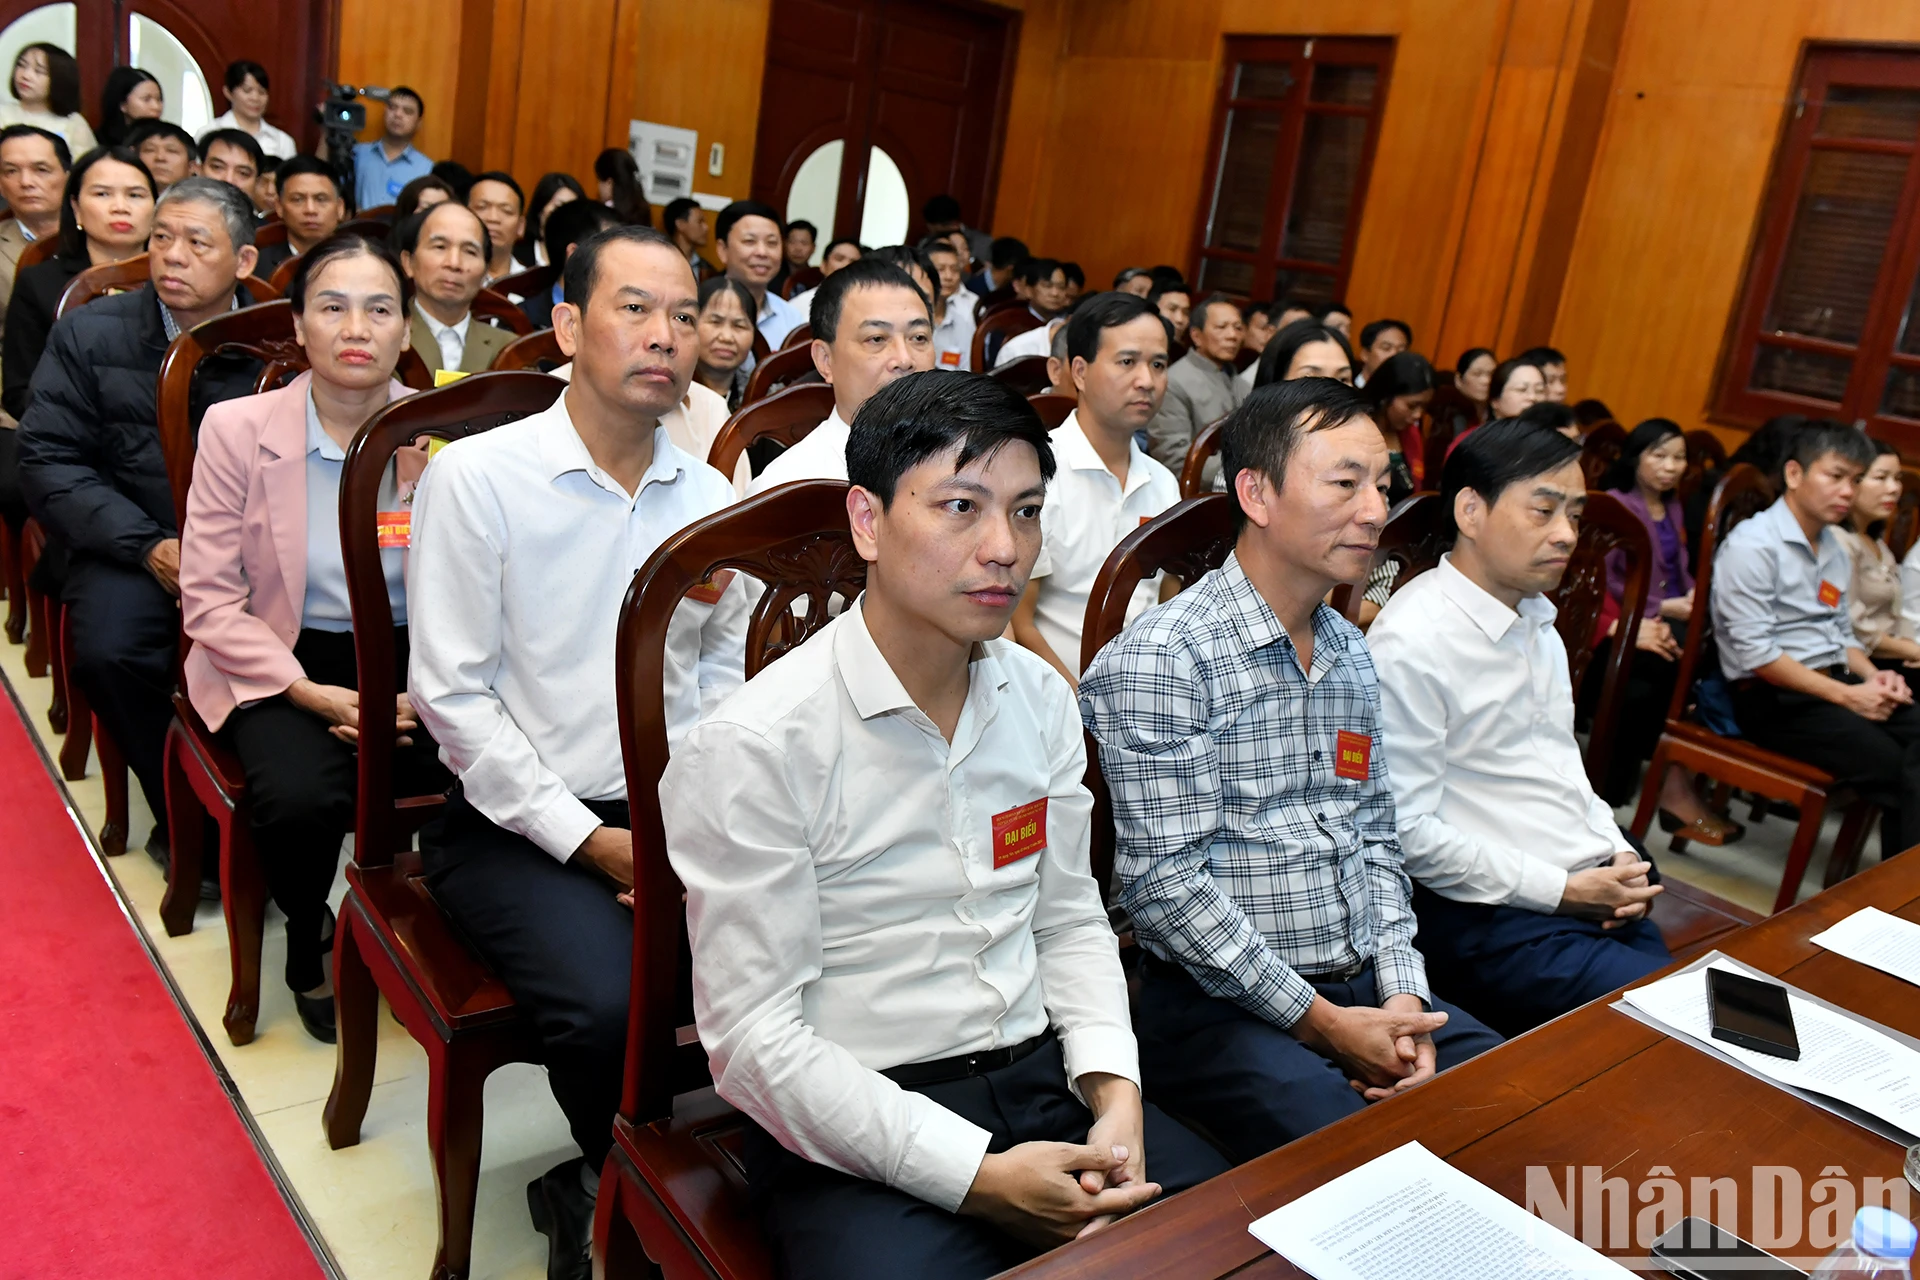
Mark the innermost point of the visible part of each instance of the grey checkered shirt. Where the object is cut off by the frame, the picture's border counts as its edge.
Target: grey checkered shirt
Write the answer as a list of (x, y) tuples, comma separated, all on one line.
[(1241, 855)]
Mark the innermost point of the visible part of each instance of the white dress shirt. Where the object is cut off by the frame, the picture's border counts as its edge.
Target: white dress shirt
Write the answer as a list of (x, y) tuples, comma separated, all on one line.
[(846, 913), (821, 455), (1476, 714), (523, 550), (277, 143), (1034, 342), (1248, 374), (327, 606), (802, 304), (1087, 512), (953, 336), (452, 338)]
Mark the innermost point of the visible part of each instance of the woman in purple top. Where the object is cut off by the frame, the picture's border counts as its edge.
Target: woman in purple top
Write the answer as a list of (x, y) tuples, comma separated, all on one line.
[(1651, 463)]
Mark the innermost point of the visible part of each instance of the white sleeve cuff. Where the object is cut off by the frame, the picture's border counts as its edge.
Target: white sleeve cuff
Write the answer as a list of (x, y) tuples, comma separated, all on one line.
[(943, 1156), (1112, 1050), (1542, 885), (563, 827)]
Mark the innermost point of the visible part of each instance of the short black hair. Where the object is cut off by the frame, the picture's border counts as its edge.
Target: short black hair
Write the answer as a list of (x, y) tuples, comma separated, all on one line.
[(1167, 275), (63, 78), (406, 236), (14, 132), (148, 129), (676, 212), (1768, 448), (1650, 434), (235, 138), (1467, 357), (835, 244), (1102, 311), (1405, 374), (504, 179), (1163, 287), (348, 245), (573, 222), (408, 91), (1491, 458), (1374, 328), (296, 166), (1038, 270), (1074, 274), (456, 175), (1539, 357), (801, 224), (1125, 274), (1262, 434), (582, 270), (1197, 312), (739, 209), (1590, 411), (1332, 308), (940, 208), (1823, 438), (1006, 252), (1550, 414), (1277, 357), (870, 272), (239, 69), (904, 257), (407, 203), (931, 245), (925, 415)]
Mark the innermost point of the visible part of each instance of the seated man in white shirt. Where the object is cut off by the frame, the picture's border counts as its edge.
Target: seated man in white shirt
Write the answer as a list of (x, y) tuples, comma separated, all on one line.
[(524, 541), (902, 970), (1107, 486), (1531, 900), (751, 243), (953, 322), (445, 252), (871, 324)]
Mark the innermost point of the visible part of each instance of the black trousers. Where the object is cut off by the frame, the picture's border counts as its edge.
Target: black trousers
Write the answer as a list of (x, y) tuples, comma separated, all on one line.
[(13, 502), (558, 939), (1881, 759), (829, 1225), (1643, 713), (1251, 1084), (126, 631), (302, 781)]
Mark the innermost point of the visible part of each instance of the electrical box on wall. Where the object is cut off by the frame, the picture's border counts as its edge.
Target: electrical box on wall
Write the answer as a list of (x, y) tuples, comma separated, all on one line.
[(716, 159), (665, 155)]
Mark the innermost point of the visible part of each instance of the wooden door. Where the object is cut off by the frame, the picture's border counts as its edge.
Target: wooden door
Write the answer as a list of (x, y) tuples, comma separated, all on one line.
[(292, 39), (924, 80)]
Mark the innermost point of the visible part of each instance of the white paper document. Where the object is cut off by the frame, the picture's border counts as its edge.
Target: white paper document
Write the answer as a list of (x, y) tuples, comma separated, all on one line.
[(1839, 1057), (1874, 938), (1409, 1215)]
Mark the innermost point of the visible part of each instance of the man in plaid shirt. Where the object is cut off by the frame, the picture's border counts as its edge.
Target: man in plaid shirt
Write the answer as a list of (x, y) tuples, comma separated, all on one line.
[(1238, 728)]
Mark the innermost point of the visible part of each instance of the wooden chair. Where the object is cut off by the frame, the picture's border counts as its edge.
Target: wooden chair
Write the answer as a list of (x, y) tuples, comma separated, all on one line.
[(785, 417), (282, 277), (673, 1183), (781, 369), (496, 308), (1206, 443), (534, 282), (98, 282), (1705, 454), (1904, 529), (761, 349), (1053, 407), (1027, 375), (1734, 761), (270, 233), (800, 281), (1187, 540), (391, 938), (13, 566), (1414, 538), (33, 541), (371, 228), (994, 330), (798, 336), (36, 253), (203, 776), (1607, 526), (993, 299), (383, 214), (263, 290), (529, 351), (1600, 450)]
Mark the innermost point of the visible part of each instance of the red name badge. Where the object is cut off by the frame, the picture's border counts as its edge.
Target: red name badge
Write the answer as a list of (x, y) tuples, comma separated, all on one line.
[(1354, 751), (394, 528), (1019, 833), (951, 359), (1829, 594), (710, 591)]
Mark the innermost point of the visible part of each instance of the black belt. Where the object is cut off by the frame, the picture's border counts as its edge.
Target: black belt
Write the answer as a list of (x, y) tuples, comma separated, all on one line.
[(1838, 671), (1348, 974), (964, 1065)]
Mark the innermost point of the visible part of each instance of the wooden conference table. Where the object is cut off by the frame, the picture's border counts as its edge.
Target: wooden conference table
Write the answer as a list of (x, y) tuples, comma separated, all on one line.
[(1592, 1088)]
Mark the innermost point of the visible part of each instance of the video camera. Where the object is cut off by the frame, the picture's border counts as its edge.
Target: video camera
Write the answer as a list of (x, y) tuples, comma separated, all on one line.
[(342, 116)]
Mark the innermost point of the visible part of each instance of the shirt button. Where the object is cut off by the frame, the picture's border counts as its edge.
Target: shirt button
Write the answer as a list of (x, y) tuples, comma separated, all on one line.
[(1316, 755)]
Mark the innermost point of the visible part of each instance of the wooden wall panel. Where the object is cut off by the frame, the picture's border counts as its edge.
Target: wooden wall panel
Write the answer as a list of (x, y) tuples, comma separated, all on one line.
[(566, 67), (699, 67), (411, 42)]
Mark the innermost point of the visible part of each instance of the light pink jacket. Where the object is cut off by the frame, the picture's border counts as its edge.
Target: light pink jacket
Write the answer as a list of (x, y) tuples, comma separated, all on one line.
[(243, 553)]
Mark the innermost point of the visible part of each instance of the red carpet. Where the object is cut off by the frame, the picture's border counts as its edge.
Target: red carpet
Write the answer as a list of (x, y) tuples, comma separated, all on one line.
[(120, 1154)]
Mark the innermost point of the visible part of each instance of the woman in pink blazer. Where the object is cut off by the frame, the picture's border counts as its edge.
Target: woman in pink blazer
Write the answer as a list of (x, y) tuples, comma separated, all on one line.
[(263, 593)]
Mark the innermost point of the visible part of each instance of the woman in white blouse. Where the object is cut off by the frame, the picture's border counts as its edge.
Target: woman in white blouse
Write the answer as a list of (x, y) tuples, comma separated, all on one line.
[(1874, 597), (46, 94)]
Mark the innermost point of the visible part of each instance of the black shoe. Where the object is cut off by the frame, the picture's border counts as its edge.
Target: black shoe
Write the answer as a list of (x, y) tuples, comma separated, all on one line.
[(157, 847), (563, 1213), (316, 1015)]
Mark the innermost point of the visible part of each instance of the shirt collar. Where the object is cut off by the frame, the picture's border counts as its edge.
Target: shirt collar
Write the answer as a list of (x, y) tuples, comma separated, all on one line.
[(1254, 619), (1072, 449), (1789, 527), (772, 304), (1490, 615), (562, 451), (172, 326), (318, 441), (871, 684), (435, 328)]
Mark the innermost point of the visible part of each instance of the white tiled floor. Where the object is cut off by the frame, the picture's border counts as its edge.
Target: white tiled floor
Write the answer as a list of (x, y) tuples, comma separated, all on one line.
[(373, 1203)]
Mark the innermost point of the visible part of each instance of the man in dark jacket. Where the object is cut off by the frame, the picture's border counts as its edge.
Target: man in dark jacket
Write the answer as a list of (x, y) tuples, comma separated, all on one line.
[(93, 472)]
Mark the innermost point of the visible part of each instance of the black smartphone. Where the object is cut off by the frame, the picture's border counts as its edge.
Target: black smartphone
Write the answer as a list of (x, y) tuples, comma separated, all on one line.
[(1752, 1014), (1697, 1250)]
